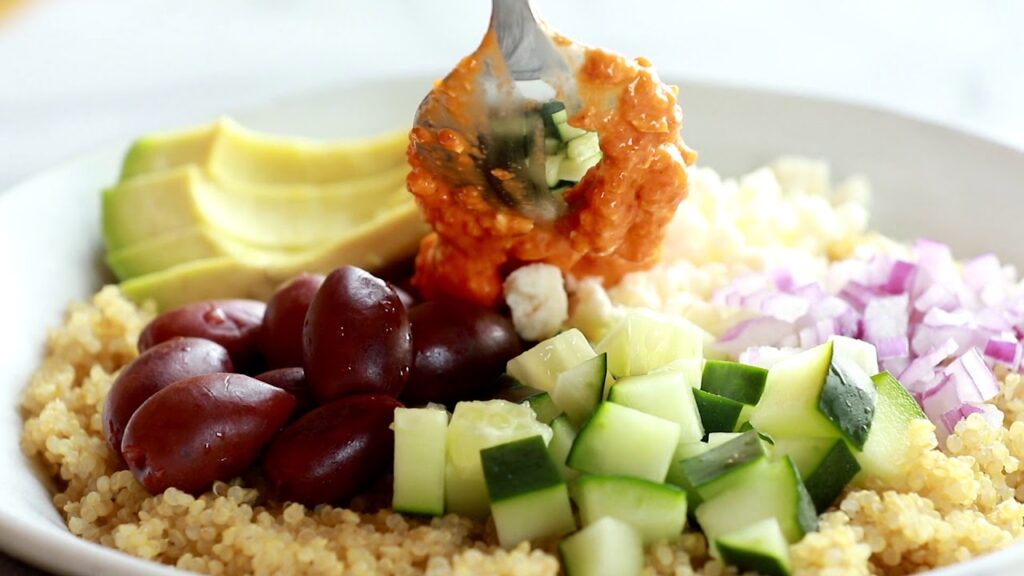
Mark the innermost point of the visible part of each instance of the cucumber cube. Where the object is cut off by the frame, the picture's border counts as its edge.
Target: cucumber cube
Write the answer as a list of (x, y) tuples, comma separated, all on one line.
[(657, 511), (759, 548), (475, 426), (584, 146), (817, 394), (775, 491), (540, 366), (573, 170), (538, 400), (580, 389), (885, 453), (861, 353), (420, 439), (691, 367), (665, 395), (529, 499), (740, 382), (622, 441), (608, 547), (645, 341), (717, 469), (563, 436), (551, 168), (827, 465), (718, 414), (719, 438)]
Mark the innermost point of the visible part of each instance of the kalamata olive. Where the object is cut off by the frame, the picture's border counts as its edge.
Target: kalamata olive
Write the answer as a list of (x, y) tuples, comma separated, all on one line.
[(203, 429), (293, 381), (356, 338), (155, 369), (333, 452), (281, 334), (408, 300), (234, 324), (460, 349)]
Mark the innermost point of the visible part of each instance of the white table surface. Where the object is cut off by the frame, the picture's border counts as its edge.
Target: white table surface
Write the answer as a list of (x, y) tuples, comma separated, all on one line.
[(77, 74)]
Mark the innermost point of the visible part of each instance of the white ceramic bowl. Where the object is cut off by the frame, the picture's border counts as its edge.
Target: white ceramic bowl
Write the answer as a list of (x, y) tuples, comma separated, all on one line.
[(929, 181)]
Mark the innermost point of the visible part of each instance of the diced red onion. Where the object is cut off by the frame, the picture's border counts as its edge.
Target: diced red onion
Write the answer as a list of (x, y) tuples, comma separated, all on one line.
[(1005, 351), (762, 331), (886, 318), (924, 366), (765, 356), (972, 376), (900, 276), (895, 347)]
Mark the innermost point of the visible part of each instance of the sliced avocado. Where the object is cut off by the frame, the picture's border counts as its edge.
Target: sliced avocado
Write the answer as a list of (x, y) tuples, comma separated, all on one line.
[(392, 236), (281, 216), (226, 149)]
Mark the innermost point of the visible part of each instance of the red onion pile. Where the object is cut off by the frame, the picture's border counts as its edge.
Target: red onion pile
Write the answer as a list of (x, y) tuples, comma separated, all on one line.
[(938, 326)]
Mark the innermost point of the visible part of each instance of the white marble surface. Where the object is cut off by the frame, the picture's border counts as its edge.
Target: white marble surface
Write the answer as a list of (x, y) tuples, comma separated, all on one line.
[(78, 74)]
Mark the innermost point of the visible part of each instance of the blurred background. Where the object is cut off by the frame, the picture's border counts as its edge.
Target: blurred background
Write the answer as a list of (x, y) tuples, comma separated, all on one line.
[(79, 74)]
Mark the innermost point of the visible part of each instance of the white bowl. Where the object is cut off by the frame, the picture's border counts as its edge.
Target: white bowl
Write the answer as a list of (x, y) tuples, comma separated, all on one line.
[(929, 181)]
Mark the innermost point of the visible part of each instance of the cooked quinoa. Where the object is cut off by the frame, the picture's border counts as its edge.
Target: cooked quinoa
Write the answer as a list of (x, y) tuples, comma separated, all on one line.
[(949, 506)]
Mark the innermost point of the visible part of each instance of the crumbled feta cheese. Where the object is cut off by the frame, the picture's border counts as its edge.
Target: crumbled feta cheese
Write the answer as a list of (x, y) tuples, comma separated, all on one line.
[(536, 296)]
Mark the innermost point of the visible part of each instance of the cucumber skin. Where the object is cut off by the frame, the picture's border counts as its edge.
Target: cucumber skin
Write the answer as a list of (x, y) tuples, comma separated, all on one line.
[(717, 414), (833, 473), (752, 561), (848, 400), (518, 467), (598, 428), (740, 382)]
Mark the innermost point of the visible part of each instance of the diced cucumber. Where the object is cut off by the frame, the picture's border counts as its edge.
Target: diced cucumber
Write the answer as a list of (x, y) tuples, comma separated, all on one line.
[(774, 492), (473, 427), (707, 473), (540, 366), (538, 400), (607, 547), (562, 437), (861, 353), (760, 547), (421, 435), (687, 450), (718, 414), (584, 146), (826, 465), (552, 165), (719, 438), (580, 389), (817, 393), (529, 499), (574, 170), (833, 473), (885, 453), (645, 341), (656, 510), (552, 147), (565, 131), (743, 421), (740, 382), (623, 441), (665, 395), (691, 367), (548, 111)]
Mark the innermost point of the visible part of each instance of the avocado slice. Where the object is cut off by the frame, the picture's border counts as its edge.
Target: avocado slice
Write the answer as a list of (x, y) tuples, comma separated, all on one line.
[(226, 149), (277, 216), (393, 235)]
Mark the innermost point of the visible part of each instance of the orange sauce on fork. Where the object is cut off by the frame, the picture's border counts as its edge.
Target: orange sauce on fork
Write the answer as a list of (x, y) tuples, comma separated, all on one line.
[(616, 215)]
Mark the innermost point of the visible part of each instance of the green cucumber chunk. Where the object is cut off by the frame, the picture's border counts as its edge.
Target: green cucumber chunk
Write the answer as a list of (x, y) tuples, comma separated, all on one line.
[(475, 426), (885, 453), (830, 477), (573, 169), (563, 434), (760, 547), (608, 547), (665, 395), (817, 394), (657, 511), (740, 382), (538, 400), (565, 131), (715, 470), (580, 389), (544, 407), (719, 438), (776, 491), (552, 164), (540, 366), (583, 146), (691, 367), (529, 499), (861, 353), (421, 436), (622, 441), (719, 414), (644, 341)]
